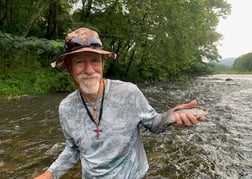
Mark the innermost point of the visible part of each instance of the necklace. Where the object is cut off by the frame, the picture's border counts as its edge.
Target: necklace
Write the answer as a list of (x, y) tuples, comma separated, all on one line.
[(95, 114)]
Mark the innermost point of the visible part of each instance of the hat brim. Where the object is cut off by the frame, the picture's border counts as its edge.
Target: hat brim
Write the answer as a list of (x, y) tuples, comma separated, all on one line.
[(59, 63)]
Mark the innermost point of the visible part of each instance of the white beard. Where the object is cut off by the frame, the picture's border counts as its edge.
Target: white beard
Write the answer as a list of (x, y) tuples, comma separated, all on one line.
[(89, 84)]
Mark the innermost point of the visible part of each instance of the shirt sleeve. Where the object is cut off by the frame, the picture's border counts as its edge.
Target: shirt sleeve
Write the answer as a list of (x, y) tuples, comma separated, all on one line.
[(68, 157), (150, 119)]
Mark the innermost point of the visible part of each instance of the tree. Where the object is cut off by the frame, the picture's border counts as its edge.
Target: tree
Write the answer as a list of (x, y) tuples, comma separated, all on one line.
[(243, 63), (52, 20), (154, 40), (160, 39)]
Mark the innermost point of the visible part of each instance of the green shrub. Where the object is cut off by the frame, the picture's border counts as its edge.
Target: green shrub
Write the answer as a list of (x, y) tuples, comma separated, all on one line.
[(25, 67)]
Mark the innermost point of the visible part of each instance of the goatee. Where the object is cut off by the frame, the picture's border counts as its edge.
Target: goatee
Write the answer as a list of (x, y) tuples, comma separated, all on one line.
[(89, 84)]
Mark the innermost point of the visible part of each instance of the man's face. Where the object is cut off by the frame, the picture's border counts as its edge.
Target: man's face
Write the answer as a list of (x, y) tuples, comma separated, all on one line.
[(87, 70)]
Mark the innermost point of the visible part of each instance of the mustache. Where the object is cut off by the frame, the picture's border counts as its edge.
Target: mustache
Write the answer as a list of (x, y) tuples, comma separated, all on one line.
[(85, 76)]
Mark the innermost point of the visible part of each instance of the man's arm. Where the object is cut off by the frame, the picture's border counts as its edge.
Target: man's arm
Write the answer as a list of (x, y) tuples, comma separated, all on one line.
[(65, 161)]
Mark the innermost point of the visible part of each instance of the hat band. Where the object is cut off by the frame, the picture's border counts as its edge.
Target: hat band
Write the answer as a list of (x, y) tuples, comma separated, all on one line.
[(77, 43)]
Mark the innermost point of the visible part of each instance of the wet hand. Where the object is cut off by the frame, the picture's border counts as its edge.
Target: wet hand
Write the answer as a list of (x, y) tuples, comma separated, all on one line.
[(45, 175), (186, 119)]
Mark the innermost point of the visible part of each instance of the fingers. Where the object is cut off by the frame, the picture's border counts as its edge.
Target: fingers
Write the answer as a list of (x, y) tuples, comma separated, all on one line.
[(203, 118), (45, 175), (189, 105), (185, 119)]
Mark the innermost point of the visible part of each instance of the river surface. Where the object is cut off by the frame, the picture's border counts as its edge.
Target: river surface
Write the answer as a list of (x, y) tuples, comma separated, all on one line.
[(221, 147)]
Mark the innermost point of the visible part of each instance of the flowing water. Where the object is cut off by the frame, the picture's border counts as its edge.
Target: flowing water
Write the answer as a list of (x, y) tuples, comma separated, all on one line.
[(221, 147)]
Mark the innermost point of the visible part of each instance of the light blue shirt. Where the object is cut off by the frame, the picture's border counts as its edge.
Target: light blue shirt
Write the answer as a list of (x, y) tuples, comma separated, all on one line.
[(119, 151)]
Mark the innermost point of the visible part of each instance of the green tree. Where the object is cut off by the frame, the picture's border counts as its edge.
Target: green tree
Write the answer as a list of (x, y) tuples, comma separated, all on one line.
[(163, 39), (42, 18), (243, 63), (154, 40)]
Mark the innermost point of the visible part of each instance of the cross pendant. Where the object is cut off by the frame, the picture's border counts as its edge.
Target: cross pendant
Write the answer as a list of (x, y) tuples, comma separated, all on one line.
[(97, 130)]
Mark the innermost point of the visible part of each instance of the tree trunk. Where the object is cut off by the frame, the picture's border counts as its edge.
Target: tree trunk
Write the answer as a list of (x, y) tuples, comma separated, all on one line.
[(8, 13), (52, 20), (86, 10), (3, 14), (130, 62), (40, 8)]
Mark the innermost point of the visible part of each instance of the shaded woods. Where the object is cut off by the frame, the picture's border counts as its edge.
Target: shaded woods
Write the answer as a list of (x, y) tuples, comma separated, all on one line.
[(154, 40)]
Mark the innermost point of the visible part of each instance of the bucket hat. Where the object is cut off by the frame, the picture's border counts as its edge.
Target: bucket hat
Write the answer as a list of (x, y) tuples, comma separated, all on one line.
[(79, 41)]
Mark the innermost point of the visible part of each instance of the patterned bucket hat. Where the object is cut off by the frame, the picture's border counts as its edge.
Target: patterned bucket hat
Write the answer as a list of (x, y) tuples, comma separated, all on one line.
[(79, 41)]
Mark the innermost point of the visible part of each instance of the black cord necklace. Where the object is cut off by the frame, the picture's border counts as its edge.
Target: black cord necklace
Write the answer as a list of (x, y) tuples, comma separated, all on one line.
[(97, 124)]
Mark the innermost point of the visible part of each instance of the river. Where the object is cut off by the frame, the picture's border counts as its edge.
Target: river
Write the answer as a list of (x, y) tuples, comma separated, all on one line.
[(221, 147)]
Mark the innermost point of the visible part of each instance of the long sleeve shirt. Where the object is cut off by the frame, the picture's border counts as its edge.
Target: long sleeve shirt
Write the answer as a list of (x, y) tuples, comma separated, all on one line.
[(119, 151)]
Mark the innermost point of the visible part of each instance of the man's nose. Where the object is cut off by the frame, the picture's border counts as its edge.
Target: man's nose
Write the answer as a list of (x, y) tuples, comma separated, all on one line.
[(89, 69)]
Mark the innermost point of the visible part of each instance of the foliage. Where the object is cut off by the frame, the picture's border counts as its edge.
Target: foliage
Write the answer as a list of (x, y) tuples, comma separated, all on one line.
[(158, 43), (154, 40), (243, 63), (41, 18), (25, 66), (219, 68)]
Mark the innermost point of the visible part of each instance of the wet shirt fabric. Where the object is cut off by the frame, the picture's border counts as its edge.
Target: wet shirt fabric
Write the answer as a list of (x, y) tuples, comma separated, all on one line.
[(119, 151)]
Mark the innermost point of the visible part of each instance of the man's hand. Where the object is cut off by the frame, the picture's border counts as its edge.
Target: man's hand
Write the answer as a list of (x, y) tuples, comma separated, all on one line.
[(186, 119), (45, 175)]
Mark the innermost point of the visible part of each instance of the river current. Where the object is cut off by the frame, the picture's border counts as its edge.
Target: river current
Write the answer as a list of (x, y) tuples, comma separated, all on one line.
[(221, 147)]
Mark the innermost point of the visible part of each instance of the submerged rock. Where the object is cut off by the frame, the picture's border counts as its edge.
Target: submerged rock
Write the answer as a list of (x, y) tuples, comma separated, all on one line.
[(228, 79)]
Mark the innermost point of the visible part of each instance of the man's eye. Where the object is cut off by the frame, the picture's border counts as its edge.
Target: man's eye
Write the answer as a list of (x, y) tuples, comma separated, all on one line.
[(78, 61), (95, 60)]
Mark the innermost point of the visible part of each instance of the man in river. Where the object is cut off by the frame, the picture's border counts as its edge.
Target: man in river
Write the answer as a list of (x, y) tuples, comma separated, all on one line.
[(101, 119)]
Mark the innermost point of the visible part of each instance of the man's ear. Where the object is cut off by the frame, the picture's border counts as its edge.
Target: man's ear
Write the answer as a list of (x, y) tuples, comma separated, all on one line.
[(67, 65)]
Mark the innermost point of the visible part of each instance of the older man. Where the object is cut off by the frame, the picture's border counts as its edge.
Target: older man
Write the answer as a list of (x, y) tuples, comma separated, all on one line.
[(101, 119)]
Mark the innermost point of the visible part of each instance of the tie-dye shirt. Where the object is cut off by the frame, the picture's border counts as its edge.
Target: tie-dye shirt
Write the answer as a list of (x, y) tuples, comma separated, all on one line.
[(119, 151)]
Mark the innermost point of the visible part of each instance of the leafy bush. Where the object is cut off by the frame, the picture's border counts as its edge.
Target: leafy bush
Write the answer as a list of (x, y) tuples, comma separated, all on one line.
[(25, 67)]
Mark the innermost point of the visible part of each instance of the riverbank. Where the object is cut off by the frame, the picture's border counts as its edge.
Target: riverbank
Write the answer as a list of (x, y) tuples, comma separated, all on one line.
[(234, 73), (16, 88)]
